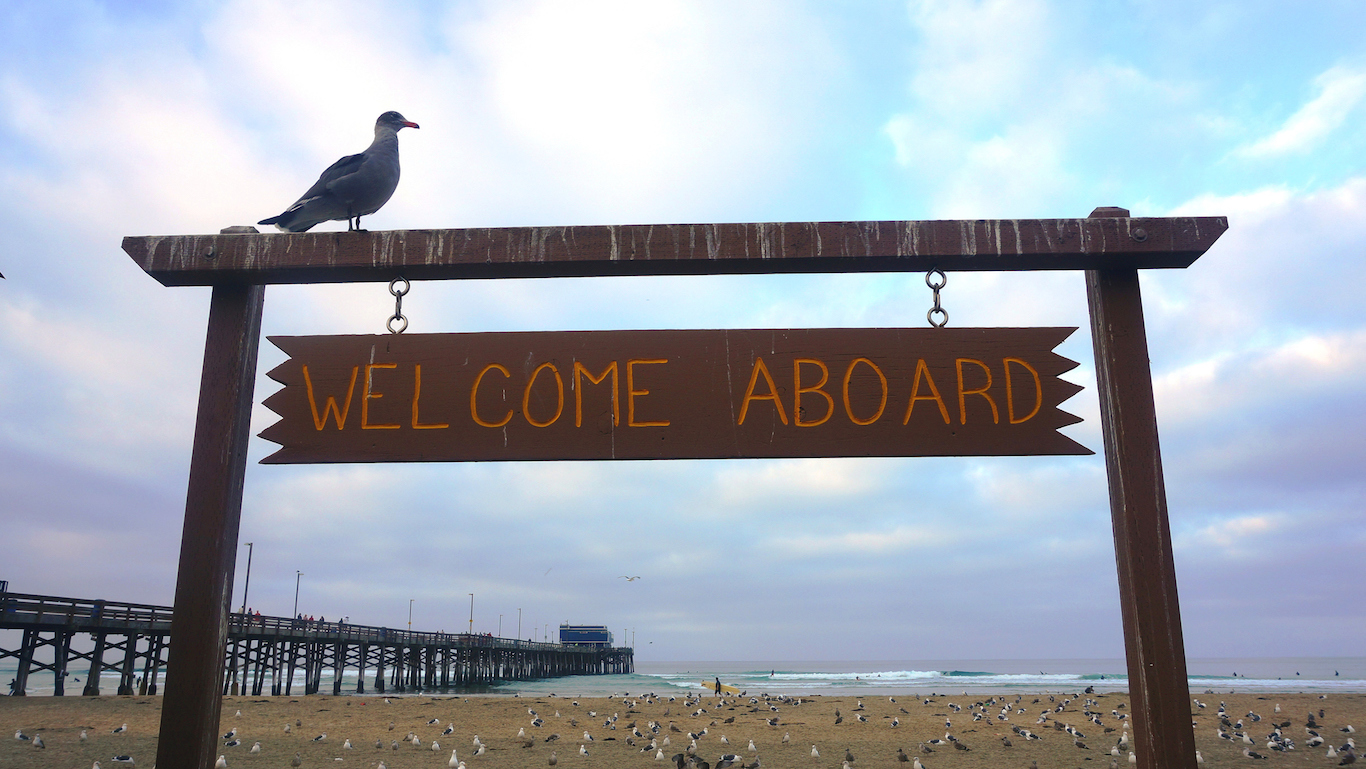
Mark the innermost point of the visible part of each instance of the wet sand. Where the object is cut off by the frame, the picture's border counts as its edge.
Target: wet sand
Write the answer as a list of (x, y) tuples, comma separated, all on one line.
[(496, 721)]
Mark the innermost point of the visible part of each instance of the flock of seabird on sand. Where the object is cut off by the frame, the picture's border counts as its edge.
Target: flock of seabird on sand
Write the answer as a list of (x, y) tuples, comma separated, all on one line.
[(1055, 713)]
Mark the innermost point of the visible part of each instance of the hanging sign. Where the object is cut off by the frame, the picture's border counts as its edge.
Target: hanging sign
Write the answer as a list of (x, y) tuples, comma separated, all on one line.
[(704, 394)]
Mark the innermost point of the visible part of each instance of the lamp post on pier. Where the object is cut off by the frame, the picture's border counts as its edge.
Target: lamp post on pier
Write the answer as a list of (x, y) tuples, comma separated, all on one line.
[(410, 614), (500, 626), (297, 575), (247, 585), (519, 624), (471, 613)]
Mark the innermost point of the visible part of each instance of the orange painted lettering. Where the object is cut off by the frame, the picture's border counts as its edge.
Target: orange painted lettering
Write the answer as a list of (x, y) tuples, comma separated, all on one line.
[(417, 393), (1010, 396), (370, 395), (474, 397), (921, 370), (559, 395), (331, 406), (881, 406), (632, 392), (760, 368), (797, 391), (578, 392), (982, 391)]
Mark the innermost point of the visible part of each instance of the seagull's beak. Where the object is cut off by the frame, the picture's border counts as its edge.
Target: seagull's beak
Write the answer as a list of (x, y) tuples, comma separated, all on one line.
[(409, 124)]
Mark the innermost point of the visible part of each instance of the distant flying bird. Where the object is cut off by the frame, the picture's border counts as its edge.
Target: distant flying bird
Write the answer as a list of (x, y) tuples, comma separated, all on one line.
[(355, 186), (628, 579)]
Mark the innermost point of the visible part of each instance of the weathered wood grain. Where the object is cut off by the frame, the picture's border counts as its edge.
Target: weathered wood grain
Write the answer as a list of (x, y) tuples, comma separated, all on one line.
[(677, 249)]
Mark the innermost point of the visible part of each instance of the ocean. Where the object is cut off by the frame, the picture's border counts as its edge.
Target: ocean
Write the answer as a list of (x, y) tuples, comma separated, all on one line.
[(890, 678)]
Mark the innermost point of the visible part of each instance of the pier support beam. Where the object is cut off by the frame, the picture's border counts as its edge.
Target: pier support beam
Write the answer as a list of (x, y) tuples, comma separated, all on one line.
[(208, 545)]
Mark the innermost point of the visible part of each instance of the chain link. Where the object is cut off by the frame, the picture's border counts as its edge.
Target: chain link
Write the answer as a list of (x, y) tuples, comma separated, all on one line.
[(398, 307), (937, 309)]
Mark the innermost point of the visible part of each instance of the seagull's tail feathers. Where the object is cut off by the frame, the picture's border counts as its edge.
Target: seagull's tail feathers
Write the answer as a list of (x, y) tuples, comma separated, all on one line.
[(296, 218)]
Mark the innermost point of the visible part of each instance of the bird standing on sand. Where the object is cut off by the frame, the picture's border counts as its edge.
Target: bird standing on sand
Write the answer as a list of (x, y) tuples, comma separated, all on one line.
[(221, 763), (355, 186)]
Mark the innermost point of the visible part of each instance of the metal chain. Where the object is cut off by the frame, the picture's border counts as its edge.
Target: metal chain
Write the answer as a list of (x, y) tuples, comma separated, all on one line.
[(937, 309), (398, 307)]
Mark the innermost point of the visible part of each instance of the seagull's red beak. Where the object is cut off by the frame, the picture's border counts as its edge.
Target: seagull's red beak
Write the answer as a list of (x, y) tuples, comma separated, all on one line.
[(407, 124)]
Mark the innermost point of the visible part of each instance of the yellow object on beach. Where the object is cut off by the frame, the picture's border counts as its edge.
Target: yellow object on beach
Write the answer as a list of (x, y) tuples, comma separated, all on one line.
[(711, 687)]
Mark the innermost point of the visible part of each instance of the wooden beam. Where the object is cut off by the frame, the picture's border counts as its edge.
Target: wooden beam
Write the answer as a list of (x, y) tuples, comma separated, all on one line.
[(208, 545), (676, 249), (1154, 648)]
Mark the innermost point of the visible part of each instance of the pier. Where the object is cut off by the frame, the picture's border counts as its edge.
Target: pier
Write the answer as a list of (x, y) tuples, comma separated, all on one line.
[(264, 654)]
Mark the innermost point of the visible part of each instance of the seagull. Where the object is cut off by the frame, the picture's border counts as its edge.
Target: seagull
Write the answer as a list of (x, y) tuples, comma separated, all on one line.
[(256, 748), (221, 763), (297, 761), (19, 735), (320, 737), (355, 186), (232, 744), (121, 729), (629, 579), (454, 762), (83, 736), (230, 734), (916, 763), (450, 727), (815, 753), (553, 759), (38, 741), (122, 759)]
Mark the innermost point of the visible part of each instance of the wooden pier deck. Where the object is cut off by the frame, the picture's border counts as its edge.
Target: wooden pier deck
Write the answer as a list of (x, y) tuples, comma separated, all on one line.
[(265, 654)]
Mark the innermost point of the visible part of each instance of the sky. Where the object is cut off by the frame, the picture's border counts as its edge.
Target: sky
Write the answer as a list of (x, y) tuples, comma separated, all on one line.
[(163, 118)]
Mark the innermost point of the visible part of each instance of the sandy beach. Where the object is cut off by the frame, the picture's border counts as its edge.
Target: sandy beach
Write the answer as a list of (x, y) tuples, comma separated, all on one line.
[(496, 721)]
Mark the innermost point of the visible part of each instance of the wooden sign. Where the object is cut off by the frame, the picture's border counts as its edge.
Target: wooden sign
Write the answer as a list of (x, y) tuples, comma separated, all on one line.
[(706, 394)]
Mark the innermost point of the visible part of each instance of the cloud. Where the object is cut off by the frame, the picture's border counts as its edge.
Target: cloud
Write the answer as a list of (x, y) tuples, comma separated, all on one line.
[(1340, 90)]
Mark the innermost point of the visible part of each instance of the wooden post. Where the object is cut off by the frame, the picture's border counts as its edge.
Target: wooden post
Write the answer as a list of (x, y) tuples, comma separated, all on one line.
[(92, 679), (208, 545), (1158, 688)]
